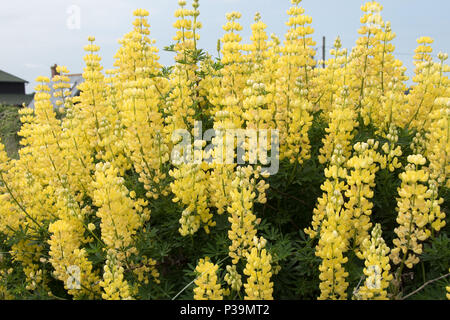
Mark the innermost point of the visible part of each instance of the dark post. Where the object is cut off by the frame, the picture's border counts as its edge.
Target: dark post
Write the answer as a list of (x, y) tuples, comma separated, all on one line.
[(323, 52), (53, 70)]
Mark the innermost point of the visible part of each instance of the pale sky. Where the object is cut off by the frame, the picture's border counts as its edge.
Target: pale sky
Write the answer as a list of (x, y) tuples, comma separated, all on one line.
[(35, 35)]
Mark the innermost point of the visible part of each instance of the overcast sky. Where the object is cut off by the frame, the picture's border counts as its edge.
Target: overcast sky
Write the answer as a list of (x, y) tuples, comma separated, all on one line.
[(37, 34)]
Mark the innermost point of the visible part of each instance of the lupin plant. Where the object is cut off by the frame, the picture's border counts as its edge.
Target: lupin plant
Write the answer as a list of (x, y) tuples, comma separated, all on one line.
[(138, 85), (259, 272), (207, 286), (376, 269), (295, 70)]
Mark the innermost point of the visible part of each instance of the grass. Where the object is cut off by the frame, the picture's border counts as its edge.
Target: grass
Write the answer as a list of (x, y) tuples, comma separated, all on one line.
[(9, 126)]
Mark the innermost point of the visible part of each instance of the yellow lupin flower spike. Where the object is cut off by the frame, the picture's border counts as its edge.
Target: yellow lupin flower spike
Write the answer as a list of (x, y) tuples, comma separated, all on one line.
[(207, 283)]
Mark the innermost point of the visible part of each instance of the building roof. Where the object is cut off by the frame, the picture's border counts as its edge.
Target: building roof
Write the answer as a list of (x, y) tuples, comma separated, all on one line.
[(7, 77), (75, 81), (15, 99)]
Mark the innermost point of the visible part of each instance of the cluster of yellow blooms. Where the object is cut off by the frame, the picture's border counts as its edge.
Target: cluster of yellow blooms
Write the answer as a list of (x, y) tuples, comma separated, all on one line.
[(70, 262), (120, 215), (190, 186), (233, 278), (259, 272), (392, 152), (448, 292), (4, 295), (438, 143), (334, 225), (340, 129), (243, 220), (332, 199), (360, 179), (114, 285), (69, 189), (138, 102), (207, 286)]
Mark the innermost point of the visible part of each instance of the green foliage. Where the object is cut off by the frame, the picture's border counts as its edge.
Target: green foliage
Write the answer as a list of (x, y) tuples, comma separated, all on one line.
[(291, 200)]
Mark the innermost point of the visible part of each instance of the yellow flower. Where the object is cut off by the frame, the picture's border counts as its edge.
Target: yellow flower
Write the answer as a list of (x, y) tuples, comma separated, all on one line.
[(207, 284), (243, 220), (233, 278), (69, 261), (114, 285), (415, 211), (120, 215)]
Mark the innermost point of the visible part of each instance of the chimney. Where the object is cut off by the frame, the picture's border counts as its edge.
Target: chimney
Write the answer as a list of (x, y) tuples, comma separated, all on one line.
[(53, 69)]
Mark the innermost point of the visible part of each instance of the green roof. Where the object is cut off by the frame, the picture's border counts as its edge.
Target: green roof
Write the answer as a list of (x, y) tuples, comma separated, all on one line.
[(15, 99), (7, 77)]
